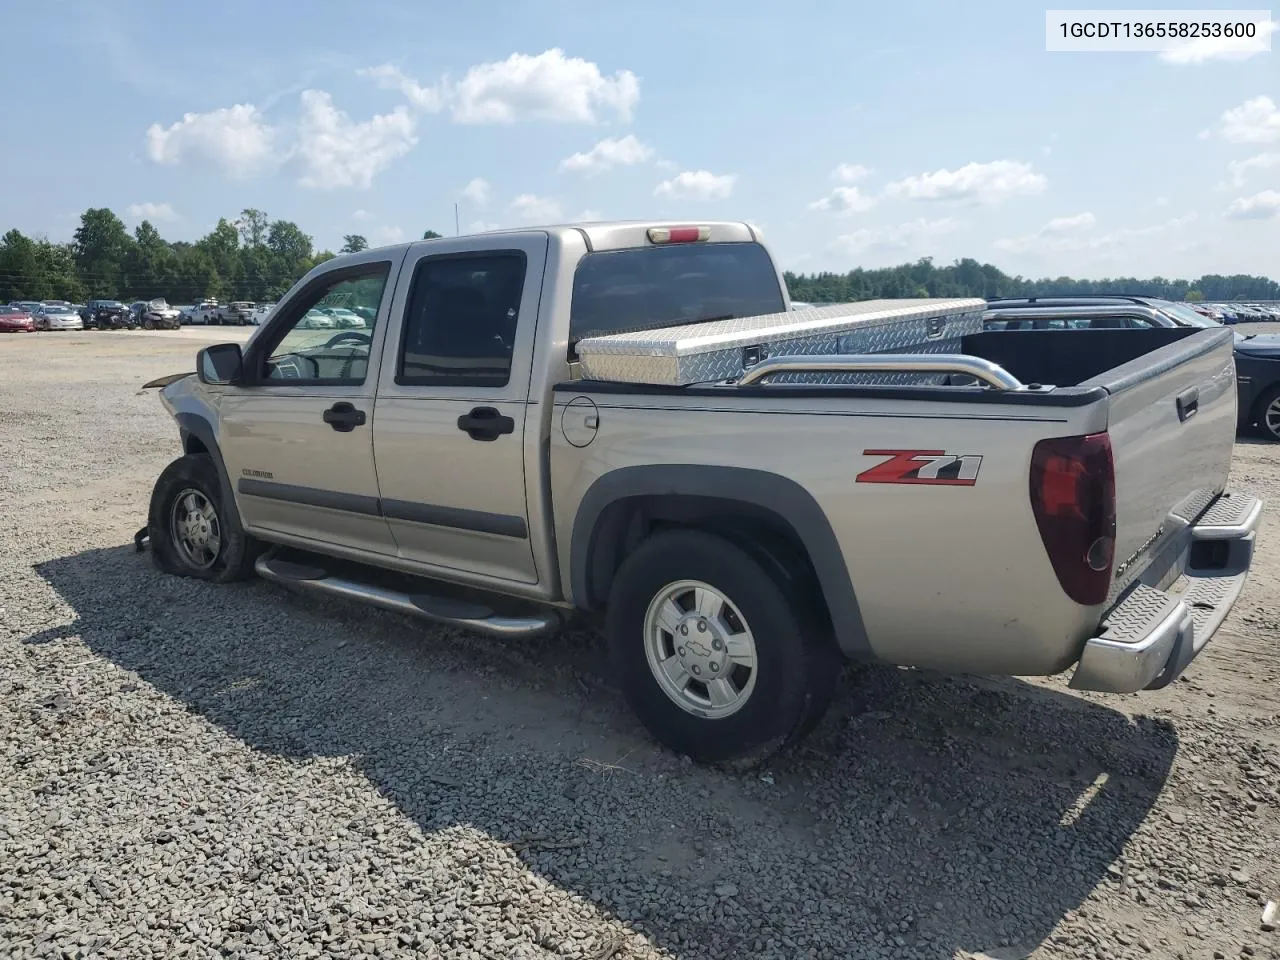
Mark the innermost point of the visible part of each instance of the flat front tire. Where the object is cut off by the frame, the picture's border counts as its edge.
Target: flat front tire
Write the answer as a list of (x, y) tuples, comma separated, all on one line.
[(192, 532), (710, 650)]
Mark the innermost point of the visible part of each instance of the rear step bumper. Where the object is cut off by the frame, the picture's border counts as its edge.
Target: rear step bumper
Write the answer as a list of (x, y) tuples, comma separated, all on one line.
[(445, 610), (1151, 635)]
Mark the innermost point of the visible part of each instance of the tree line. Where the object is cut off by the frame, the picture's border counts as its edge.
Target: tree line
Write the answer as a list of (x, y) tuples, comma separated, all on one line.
[(969, 278), (250, 257), (253, 257)]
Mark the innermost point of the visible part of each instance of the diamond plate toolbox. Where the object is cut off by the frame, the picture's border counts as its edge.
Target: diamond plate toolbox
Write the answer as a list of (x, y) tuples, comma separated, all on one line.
[(723, 349)]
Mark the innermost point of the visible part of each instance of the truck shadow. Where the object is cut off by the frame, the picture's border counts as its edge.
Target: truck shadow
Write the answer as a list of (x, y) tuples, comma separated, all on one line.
[(937, 814)]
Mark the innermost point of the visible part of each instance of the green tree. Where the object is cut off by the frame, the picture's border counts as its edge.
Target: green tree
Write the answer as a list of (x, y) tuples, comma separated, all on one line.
[(1194, 296), (101, 247), (253, 225), (149, 265), (56, 273), (431, 235), (18, 268), (353, 243)]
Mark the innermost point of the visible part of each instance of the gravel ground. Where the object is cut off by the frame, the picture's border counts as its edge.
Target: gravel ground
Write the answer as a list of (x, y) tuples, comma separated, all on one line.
[(190, 770)]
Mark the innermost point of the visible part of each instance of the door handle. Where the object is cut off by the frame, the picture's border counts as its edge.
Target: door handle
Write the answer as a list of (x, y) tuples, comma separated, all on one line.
[(344, 417), (1188, 403), (485, 423)]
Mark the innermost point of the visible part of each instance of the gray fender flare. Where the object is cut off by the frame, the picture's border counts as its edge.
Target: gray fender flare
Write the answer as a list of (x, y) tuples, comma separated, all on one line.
[(194, 425), (777, 494)]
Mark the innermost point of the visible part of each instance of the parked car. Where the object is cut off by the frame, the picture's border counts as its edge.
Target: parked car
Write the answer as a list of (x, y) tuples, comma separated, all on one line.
[(106, 315), (344, 319), (56, 318), (30, 306), (261, 311), (15, 320), (238, 313), (154, 314), (529, 448), (203, 313), (316, 319)]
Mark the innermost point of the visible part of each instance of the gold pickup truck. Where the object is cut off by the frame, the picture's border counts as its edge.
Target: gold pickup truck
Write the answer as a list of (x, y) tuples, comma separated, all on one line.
[(999, 503)]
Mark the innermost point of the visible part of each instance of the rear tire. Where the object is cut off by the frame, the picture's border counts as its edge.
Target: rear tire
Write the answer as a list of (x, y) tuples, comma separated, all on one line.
[(734, 612), (192, 532)]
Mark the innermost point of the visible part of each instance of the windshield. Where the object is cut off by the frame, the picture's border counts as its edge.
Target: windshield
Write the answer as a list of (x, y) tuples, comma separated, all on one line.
[(1186, 315), (659, 286)]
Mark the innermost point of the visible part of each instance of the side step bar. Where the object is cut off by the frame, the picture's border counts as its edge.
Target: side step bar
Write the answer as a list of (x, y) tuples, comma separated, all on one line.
[(457, 613)]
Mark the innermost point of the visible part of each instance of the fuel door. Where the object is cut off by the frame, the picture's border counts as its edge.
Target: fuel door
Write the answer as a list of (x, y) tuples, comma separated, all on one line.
[(580, 421)]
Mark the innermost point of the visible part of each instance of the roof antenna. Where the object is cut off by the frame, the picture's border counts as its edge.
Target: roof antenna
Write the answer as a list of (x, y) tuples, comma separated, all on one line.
[(456, 231)]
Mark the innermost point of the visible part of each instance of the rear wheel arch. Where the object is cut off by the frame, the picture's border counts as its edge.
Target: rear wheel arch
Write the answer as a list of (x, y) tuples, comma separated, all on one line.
[(769, 516)]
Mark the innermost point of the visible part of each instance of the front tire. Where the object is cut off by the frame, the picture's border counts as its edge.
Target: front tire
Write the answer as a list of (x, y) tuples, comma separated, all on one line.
[(1268, 418), (192, 532), (711, 652)]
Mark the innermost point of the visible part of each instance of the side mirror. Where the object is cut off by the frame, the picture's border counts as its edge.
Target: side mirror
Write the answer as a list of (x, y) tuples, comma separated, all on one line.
[(220, 363)]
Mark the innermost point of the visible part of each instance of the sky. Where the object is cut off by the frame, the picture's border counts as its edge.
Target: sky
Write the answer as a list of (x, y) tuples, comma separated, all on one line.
[(852, 134)]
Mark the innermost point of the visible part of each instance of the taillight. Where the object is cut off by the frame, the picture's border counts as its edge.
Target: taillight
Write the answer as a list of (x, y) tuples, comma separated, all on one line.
[(678, 234), (1073, 496)]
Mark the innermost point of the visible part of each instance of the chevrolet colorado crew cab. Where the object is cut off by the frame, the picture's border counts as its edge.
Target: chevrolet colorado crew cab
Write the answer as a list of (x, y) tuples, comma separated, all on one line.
[(1018, 505)]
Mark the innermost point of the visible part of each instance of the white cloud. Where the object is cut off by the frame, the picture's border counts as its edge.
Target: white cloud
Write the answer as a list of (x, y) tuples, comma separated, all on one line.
[(900, 237), (528, 206), (981, 182), (1071, 236), (160, 212), (1240, 168), (1162, 201), (844, 200), (1067, 227), (389, 77), (549, 86), (850, 173), (482, 226), (1206, 49), (1261, 206), (622, 152), (386, 235), (1254, 121), (1060, 225), (588, 215), (335, 152), (697, 185), (477, 191), (362, 216), (238, 139)]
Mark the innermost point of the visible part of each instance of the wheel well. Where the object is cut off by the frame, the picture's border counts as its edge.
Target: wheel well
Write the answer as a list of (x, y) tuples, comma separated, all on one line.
[(761, 532), (193, 444)]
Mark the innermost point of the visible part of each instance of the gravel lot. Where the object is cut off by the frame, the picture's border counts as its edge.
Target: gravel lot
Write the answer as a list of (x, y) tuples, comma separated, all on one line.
[(188, 770)]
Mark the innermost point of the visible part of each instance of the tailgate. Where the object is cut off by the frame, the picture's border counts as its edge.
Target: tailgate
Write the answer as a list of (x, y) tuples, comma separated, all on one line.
[(1172, 422)]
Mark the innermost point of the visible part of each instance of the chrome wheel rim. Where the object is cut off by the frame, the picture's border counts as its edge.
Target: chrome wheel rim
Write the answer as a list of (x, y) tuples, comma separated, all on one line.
[(700, 649), (195, 529), (1271, 418)]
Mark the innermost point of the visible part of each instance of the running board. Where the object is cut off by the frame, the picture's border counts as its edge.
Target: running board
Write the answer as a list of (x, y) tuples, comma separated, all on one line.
[(457, 613)]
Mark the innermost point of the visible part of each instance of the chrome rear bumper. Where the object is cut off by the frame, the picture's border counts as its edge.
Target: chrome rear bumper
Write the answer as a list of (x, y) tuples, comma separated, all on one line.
[(1151, 635)]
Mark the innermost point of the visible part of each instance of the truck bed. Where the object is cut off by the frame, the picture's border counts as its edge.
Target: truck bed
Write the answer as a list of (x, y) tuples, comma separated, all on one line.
[(947, 574)]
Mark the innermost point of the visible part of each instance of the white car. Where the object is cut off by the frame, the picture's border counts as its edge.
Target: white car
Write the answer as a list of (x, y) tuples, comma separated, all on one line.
[(316, 320), (57, 318), (347, 319), (260, 313)]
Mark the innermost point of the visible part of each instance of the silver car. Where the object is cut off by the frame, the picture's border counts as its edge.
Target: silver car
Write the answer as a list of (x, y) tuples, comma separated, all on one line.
[(57, 318)]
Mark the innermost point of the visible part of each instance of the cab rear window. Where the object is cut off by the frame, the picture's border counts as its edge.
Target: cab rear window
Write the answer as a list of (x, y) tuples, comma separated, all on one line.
[(648, 287)]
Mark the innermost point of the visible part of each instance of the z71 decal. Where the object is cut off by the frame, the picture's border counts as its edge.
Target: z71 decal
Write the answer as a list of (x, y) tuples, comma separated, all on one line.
[(922, 466)]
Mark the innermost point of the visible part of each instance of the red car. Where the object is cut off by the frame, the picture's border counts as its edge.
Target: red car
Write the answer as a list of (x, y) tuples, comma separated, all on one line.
[(15, 320)]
